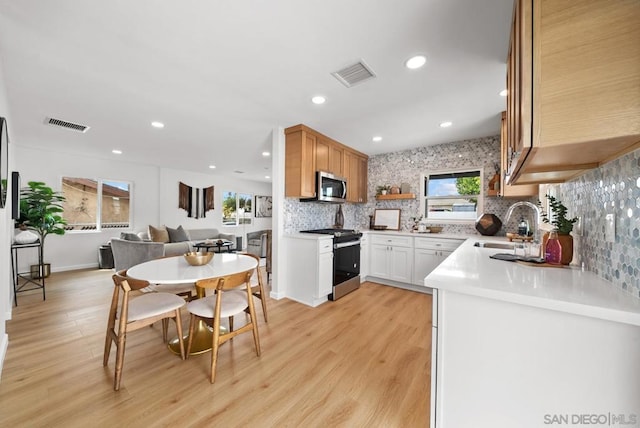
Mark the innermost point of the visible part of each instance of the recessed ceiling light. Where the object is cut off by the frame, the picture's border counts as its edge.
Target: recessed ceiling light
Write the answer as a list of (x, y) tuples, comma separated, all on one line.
[(212, 166), (265, 154), (318, 99), (116, 152), (446, 124), (415, 62), (377, 138), (503, 93), (266, 176), (157, 124)]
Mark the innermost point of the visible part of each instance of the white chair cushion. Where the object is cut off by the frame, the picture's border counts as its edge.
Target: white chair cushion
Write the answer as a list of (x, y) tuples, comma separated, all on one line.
[(233, 302), (151, 304)]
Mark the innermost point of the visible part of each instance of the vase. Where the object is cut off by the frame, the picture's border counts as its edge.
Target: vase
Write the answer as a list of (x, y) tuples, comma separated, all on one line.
[(26, 237), (566, 242), (339, 218)]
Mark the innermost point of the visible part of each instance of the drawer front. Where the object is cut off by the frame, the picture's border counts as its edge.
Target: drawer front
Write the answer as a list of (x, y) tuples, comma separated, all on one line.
[(398, 241), (325, 246), (437, 243)]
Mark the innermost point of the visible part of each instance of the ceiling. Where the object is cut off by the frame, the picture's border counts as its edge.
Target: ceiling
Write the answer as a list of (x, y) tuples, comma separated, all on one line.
[(222, 75)]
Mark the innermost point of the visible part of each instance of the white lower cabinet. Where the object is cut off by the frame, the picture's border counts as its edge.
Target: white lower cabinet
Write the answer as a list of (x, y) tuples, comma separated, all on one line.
[(392, 257), (429, 253), (425, 261), (364, 257), (515, 365), (325, 274), (310, 269)]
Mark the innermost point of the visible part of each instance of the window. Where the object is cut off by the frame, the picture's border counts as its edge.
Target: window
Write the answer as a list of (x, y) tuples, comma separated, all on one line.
[(451, 196), (96, 204), (236, 208)]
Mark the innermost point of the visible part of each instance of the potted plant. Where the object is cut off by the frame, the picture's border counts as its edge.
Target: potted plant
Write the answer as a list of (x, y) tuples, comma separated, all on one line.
[(563, 225), (383, 189), (40, 211)]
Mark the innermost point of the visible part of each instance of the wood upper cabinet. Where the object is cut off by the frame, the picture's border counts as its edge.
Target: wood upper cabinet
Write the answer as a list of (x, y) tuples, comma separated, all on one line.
[(308, 151), (573, 77), (356, 166), (329, 156), (507, 190), (300, 163)]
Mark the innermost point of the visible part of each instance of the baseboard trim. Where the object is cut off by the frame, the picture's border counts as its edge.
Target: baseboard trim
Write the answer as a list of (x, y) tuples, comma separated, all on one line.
[(392, 283), (74, 267), (4, 345)]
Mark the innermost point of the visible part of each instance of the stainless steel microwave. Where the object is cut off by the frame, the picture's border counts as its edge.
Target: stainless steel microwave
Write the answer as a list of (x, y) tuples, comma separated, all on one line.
[(329, 188)]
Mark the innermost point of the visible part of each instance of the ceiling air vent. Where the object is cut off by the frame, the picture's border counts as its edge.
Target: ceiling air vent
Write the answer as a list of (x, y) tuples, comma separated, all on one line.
[(65, 124), (354, 74)]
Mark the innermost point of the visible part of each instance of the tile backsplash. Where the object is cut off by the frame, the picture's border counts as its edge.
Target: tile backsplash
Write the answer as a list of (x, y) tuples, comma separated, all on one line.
[(614, 188)]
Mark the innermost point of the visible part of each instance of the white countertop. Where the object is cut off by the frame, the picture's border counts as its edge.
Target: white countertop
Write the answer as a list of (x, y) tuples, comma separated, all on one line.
[(469, 270), (302, 235)]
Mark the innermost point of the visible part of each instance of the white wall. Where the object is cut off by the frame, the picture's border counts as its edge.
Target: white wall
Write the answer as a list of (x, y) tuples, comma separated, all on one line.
[(76, 250), (6, 237), (155, 200)]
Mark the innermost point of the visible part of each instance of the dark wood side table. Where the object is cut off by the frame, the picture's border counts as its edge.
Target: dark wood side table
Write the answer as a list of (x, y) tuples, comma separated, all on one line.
[(35, 282)]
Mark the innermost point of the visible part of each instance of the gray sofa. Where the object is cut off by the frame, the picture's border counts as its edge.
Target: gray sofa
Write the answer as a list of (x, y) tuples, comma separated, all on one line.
[(179, 248), (195, 236)]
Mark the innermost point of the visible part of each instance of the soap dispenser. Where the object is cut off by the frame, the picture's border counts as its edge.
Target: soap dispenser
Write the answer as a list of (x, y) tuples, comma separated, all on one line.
[(523, 227)]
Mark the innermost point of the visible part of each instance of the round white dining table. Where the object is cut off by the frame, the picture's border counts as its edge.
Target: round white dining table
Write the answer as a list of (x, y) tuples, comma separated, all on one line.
[(176, 270)]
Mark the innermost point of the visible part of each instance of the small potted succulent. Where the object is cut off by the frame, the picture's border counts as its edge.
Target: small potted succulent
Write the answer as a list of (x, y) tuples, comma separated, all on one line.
[(382, 189)]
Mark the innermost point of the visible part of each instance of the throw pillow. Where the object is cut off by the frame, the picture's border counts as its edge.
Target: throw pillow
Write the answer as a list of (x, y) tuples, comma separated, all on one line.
[(178, 235), (128, 236), (159, 234)]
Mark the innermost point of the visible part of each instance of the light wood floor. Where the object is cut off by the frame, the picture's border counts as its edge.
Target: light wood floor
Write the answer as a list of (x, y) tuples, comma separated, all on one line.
[(362, 361)]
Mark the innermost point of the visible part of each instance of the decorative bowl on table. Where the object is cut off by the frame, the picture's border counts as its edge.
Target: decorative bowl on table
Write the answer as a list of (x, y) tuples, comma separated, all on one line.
[(197, 258)]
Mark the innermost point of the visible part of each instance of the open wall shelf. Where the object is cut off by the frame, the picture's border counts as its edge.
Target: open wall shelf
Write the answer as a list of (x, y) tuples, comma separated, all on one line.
[(395, 196)]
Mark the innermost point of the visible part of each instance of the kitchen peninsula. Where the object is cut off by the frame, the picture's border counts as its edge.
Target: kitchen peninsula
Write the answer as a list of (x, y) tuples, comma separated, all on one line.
[(514, 343)]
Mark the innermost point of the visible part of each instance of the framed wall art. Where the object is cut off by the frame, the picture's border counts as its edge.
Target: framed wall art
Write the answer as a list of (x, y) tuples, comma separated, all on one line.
[(389, 218), (4, 162), (264, 205)]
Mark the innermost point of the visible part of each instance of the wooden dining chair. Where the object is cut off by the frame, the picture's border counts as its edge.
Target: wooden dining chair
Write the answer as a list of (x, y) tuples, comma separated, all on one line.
[(223, 303), (128, 313), (257, 285)]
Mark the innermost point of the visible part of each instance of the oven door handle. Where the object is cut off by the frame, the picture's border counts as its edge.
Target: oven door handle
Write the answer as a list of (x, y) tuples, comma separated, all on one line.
[(346, 244)]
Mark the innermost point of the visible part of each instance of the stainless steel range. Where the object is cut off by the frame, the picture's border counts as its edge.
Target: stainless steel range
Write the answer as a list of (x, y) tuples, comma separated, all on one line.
[(346, 260)]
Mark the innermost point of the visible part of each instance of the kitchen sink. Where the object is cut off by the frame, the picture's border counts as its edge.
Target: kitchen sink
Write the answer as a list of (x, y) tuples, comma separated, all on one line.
[(500, 245)]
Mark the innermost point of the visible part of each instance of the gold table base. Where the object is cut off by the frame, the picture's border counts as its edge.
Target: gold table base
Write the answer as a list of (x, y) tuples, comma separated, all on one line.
[(202, 340)]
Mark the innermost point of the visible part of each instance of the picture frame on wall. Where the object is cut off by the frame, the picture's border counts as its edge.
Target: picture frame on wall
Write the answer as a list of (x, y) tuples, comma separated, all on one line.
[(264, 206), (15, 195), (389, 218)]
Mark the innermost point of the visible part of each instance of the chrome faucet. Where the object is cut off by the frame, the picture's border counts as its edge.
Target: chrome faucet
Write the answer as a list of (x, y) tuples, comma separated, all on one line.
[(535, 208)]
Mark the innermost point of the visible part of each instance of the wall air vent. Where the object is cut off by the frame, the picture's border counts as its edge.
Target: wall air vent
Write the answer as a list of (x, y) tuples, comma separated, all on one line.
[(65, 124), (354, 74)]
